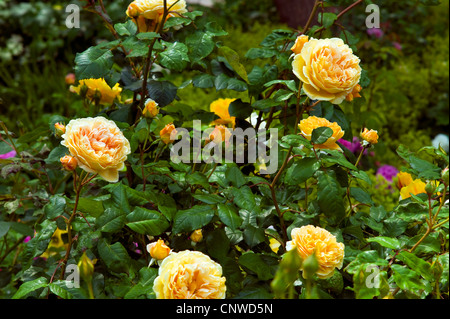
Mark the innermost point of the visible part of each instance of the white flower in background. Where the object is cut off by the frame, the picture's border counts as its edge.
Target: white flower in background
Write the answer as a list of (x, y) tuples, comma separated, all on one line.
[(442, 140)]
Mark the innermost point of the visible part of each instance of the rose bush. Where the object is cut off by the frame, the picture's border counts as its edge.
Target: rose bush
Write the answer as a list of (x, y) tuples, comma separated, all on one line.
[(100, 189)]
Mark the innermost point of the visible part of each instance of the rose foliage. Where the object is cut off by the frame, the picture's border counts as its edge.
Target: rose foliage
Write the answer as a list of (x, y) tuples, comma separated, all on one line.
[(100, 192)]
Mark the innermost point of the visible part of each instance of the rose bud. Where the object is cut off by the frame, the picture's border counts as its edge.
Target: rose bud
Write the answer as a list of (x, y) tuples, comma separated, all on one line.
[(69, 163)]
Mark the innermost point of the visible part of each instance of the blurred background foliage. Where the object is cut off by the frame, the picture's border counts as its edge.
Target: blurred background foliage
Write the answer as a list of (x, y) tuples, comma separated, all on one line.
[(407, 61)]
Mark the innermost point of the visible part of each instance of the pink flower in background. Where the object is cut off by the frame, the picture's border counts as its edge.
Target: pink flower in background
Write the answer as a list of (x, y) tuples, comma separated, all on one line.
[(388, 172), (27, 239), (375, 32), (397, 45), (8, 155)]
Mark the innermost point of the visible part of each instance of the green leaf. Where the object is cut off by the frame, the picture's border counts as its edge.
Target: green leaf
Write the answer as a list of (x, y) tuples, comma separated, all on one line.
[(244, 198), (254, 263), (233, 59), (30, 286), (128, 28), (235, 176), (93, 63), (163, 92), (330, 196), (240, 109), (327, 19), (361, 195), (418, 264), (4, 227), (302, 170), (147, 222), (200, 45), (55, 207), (392, 243), (90, 206), (58, 289), (210, 199), (191, 219), (321, 134), (407, 279), (203, 81), (147, 35), (175, 57), (145, 284), (119, 196), (114, 256), (228, 216), (260, 53), (112, 220), (253, 235)]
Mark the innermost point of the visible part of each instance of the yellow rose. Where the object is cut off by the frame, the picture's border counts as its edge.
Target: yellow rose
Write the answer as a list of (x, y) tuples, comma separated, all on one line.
[(220, 108), (328, 69), (415, 187), (370, 137), (56, 243), (299, 43), (166, 132), (308, 240), (147, 14), (97, 89), (189, 275), (150, 109), (98, 145), (309, 124), (158, 250), (403, 180)]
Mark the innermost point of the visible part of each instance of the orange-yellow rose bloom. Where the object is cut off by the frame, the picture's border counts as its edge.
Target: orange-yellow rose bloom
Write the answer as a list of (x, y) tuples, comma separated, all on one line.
[(166, 132), (312, 122), (370, 136), (98, 145), (189, 275), (158, 249), (220, 108), (308, 240), (415, 187), (403, 180), (147, 13), (98, 89), (328, 69), (299, 43)]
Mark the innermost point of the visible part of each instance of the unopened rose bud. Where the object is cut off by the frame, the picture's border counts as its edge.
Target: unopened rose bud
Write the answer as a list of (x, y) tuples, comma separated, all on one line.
[(197, 236), (158, 250), (166, 132), (444, 176), (150, 109), (310, 265), (86, 267), (60, 129), (70, 78), (370, 136), (69, 163), (299, 43), (430, 188)]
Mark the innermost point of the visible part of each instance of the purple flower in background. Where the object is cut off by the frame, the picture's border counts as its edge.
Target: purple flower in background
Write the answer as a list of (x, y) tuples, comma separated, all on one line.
[(354, 146), (27, 239), (388, 172), (8, 155), (375, 32), (397, 45)]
